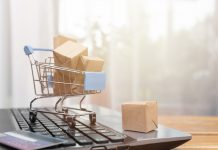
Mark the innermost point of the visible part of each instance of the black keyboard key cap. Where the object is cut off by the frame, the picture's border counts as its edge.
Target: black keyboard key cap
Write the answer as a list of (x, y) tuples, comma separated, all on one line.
[(61, 123), (37, 127), (43, 133), (81, 126), (82, 140), (116, 138), (52, 128), (56, 134), (89, 132), (39, 130), (55, 130), (50, 125), (98, 138), (98, 128), (84, 129), (24, 126), (74, 133), (26, 129), (47, 123), (63, 137), (78, 124), (69, 142), (109, 134), (65, 128), (103, 131)]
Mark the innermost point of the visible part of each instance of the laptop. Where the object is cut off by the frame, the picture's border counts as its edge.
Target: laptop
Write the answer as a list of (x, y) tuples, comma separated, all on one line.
[(106, 133)]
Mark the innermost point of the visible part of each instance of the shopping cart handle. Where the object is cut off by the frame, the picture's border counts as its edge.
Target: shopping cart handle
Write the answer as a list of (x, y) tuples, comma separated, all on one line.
[(94, 81), (29, 50)]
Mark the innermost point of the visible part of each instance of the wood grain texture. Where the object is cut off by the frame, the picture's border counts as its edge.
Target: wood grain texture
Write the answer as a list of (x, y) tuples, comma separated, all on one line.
[(204, 130)]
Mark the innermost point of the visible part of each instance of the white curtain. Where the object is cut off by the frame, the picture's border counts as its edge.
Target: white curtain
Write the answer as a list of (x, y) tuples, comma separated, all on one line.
[(5, 67), (23, 22)]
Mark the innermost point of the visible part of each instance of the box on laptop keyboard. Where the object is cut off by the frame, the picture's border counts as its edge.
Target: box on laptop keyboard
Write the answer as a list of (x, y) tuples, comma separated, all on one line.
[(139, 116)]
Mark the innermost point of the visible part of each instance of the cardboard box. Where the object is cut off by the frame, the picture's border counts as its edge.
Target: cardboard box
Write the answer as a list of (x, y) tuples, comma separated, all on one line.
[(59, 40), (67, 55), (90, 64), (60, 88), (140, 116)]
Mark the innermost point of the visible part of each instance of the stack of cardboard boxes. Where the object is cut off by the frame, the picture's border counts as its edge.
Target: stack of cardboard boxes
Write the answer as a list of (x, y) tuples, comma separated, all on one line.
[(71, 54)]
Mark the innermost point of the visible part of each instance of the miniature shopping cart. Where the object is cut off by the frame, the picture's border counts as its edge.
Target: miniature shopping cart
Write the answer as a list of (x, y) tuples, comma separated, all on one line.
[(61, 82)]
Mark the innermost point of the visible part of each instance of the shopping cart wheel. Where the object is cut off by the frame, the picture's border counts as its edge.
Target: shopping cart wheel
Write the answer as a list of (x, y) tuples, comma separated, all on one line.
[(32, 116), (92, 118), (71, 121)]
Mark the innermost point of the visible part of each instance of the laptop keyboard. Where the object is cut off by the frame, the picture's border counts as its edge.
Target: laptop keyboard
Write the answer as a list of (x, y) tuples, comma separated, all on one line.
[(53, 125)]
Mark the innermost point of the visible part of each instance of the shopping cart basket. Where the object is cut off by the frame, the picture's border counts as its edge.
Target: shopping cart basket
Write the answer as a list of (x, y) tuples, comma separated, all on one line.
[(44, 81)]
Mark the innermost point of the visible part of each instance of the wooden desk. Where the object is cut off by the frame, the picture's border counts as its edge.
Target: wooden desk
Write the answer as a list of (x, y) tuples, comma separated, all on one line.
[(204, 130)]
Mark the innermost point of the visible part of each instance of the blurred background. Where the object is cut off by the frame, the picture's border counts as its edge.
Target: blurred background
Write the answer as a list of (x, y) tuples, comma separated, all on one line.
[(153, 49)]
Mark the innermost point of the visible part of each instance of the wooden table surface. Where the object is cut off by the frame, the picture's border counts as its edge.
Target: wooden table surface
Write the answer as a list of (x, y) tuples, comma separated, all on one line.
[(204, 130)]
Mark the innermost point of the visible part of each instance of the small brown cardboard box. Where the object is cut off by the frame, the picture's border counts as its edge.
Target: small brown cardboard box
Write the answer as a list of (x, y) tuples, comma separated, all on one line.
[(88, 63), (139, 116), (67, 55), (59, 40), (60, 88)]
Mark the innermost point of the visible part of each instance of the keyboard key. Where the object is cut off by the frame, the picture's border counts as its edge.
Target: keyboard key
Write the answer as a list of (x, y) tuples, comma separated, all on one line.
[(39, 130), (74, 133), (78, 124), (50, 125), (24, 126), (55, 130), (46, 122), (89, 132), (81, 126), (116, 138), (61, 123), (44, 133), (82, 140), (58, 133), (98, 138), (69, 142), (103, 131), (26, 129), (85, 129), (98, 128), (63, 137), (65, 128), (37, 127), (109, 134), (52, 128)]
